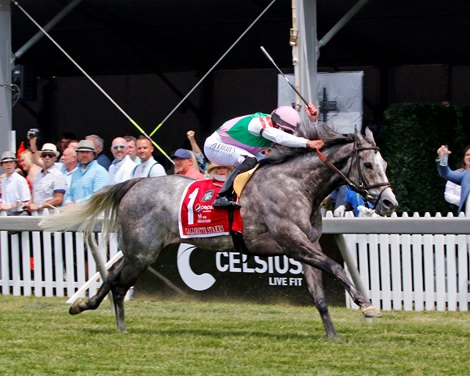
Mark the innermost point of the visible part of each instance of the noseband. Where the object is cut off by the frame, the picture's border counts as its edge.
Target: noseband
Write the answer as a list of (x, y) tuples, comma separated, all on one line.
[(361, 187)]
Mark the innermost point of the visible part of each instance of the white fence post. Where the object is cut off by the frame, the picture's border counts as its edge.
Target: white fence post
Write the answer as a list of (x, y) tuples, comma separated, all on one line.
[(463, 272), (59, 264), (48, 269), (407, 273), (385, 272), (4, 261), (69, 263), (15, 264)]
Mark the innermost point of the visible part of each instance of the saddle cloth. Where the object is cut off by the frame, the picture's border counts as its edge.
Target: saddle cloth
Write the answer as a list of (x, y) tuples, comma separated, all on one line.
[(197, 217)]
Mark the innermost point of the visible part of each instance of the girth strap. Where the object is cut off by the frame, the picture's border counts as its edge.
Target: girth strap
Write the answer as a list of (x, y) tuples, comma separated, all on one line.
[(237, 237)]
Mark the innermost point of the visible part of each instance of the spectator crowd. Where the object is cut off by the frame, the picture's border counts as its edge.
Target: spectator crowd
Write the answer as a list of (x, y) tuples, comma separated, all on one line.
[(50, 176), (69, 172)]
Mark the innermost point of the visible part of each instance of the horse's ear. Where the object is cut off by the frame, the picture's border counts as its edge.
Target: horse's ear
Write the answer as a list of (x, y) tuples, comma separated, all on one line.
[(370, 136)]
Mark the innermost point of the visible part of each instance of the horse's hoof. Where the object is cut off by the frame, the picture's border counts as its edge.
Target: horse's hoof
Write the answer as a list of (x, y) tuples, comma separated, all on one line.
[(371, 311), (75, 308)]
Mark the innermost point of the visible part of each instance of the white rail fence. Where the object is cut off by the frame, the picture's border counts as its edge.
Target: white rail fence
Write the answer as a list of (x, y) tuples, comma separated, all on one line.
[(404, 263), (48, 264), (413, 272)]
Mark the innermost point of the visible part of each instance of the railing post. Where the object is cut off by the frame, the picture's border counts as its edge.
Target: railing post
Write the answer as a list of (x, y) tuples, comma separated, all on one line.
[(346, 254)]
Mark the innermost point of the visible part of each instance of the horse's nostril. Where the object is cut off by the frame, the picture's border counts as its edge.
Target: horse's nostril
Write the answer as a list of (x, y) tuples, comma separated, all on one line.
[(388, 204)]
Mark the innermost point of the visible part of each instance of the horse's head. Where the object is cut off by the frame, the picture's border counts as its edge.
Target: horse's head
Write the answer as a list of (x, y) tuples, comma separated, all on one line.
[(367, 174), (359, 162)]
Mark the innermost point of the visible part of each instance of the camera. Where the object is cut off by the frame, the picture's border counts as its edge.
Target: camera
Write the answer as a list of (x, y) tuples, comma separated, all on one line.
[(33, 132)]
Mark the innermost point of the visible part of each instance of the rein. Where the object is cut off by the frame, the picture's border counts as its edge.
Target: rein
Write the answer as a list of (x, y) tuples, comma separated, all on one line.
[(360, 188)]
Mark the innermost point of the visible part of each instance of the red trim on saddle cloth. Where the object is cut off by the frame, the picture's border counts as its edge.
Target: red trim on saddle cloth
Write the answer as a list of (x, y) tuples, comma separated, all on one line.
[(197, 217)]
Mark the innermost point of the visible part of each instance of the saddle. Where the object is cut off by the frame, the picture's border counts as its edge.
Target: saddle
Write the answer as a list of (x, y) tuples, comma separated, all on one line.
[(242, 179)]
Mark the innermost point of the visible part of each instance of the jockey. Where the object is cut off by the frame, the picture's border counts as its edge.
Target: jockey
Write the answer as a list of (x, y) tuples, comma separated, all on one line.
[(239, 142)]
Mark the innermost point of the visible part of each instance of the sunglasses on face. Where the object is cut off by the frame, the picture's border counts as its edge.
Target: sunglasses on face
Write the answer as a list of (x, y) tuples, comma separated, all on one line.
[(48, 155), (116, 147)]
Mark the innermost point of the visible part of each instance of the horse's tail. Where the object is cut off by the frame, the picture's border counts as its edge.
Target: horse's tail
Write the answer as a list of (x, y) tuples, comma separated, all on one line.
[(85, 217)]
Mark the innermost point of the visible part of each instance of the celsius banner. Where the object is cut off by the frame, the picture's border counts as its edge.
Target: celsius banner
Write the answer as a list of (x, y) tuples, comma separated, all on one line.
[(184, 271)]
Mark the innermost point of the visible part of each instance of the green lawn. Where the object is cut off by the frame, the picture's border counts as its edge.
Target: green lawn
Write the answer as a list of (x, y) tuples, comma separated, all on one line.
[(39, 337)]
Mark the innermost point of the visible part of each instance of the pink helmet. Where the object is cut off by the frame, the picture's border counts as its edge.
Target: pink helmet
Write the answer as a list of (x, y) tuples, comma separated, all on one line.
[(286, 118)]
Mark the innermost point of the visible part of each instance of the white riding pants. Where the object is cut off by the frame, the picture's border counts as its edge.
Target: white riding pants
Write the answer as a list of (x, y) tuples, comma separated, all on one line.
[(226, 155)]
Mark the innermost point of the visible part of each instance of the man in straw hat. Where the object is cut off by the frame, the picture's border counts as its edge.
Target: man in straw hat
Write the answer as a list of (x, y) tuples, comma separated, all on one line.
[(50, 184), (89, 177), (14, 190), (217, 172), (100, 156)]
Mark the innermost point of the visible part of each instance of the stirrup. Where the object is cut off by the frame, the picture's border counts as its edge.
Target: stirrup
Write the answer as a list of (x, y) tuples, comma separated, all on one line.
[(224, 202)]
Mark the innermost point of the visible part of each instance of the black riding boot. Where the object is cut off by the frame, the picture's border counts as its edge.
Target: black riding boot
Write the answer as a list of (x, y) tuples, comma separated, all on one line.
[(223, 199)]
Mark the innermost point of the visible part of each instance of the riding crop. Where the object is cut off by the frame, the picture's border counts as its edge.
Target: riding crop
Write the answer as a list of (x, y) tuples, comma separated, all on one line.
[(285, 77)]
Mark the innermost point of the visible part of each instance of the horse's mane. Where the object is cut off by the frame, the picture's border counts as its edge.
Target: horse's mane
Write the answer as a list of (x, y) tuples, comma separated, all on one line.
[(321, 131)]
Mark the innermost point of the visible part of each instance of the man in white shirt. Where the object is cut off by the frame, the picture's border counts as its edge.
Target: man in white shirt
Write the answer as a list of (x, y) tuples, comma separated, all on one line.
[(122, 166), (69, 163), (132, 149), (148, 166), (14, 187), (50, 184)]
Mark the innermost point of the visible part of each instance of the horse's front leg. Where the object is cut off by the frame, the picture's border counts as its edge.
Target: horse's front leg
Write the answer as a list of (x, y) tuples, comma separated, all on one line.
[(314, 281), (297, 244), (368, 310)]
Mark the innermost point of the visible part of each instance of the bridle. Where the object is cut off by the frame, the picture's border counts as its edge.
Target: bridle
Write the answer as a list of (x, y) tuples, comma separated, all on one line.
[(361, 187)]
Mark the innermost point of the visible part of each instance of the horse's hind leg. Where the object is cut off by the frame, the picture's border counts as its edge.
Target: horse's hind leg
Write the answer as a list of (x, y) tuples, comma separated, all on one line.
[(121, 276), (95, 301), (119, 313), (122, 281), (313, 277)]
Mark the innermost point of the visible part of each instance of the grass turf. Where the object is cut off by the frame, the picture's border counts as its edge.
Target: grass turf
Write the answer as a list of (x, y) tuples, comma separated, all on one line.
[(39, 337)]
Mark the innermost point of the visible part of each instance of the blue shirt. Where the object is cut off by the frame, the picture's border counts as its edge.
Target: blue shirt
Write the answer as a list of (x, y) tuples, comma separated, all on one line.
[(86, 182), (104, 161), (346, 195), (459, 177)]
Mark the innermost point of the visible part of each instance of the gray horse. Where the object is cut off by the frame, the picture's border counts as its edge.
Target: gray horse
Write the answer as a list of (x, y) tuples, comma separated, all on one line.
[(280, 211)]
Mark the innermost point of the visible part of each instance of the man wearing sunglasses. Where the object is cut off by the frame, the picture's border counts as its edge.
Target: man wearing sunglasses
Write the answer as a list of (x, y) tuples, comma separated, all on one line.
[(50, 184), (122, 166)]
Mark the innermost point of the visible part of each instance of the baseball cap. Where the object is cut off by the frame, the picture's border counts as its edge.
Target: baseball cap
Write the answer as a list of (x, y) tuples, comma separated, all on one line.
[(182, 153)]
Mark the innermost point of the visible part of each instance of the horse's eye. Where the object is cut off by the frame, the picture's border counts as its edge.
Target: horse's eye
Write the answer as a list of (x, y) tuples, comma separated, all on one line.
[(368, 165)]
